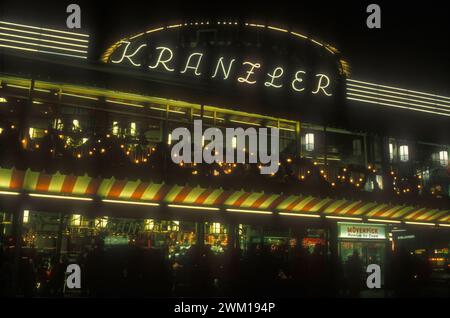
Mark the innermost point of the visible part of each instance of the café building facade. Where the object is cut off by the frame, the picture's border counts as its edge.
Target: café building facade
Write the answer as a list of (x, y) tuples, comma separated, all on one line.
[(86, 143)]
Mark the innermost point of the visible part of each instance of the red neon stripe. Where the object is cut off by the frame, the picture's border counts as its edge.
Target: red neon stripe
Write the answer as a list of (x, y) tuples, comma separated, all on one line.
[(412, 212), (326, 205), (139, 191), (117, 188), (260, 201), (162, 192), (68, 184), (311, 204), (356, 208), (342, 207), (223, 197), (93, 186), (203, 196), (241, 199), (387, 208), (277, 202), (182, 195), (17, 177), (294, 203), (43, 182)]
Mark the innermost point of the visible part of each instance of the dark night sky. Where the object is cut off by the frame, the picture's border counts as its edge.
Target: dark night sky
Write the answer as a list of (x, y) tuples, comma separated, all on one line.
[(411, 50)]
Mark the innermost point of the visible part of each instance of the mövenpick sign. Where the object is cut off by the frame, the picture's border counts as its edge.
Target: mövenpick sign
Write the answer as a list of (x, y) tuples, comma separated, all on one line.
[(256, 147)]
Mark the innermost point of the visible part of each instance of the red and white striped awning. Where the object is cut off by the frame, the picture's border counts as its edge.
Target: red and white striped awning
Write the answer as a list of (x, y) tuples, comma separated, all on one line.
[(136, 190)]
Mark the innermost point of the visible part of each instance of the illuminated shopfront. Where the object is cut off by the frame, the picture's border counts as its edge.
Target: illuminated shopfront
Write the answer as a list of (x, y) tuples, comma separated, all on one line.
[(368, 241), (96, 144)]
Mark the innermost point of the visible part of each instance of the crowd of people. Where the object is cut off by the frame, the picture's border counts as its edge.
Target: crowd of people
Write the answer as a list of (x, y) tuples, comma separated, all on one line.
[(263, 270)]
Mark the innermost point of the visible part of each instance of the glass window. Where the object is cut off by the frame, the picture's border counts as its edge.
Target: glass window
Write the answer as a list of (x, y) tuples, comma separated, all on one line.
[(404, 153), (443, 158), (133, 130), (309, 142), (26, 216), (391, 151), (357, 151), (58, 124), (115, 128), (76, 125)]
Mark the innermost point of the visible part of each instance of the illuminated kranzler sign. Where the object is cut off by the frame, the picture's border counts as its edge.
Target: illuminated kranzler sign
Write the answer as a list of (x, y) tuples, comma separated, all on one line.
[(210, 58)]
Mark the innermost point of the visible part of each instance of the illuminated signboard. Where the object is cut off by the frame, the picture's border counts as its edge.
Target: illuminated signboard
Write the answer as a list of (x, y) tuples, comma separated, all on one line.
[(264, 65), (361, 231)]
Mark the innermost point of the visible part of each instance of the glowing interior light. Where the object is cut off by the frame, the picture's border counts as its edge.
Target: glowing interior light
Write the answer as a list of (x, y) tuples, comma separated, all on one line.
[(443, 158), (404, 153), (42, 90), (174, 26), (75, 124), (18, 86), (26, 216), (309, 142), (9, 193), (79, 96), (383, 221), (76, 220), (249, 211), (281, 128), (178, 206), (169, 139), (129, 56), (419, 223), (244, 122), (391, 151), (51, 196), (115, 128), (31, 132), (101, 222), (444, 225), (171, 110), (124, 103), (133, 129), (130, 202), (300, 214), (343, 218)]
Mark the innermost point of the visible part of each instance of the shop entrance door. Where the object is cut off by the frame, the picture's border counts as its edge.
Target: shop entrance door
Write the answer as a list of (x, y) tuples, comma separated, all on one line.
[(369, 252)]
